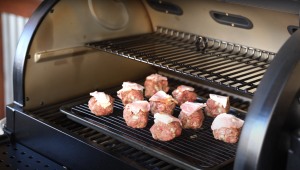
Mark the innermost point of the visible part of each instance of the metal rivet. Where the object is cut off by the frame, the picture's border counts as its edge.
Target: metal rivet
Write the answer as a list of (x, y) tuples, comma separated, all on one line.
[(27, 98), (232, 25), (167, 11), (226, 14), (42, 103), (160, 2)]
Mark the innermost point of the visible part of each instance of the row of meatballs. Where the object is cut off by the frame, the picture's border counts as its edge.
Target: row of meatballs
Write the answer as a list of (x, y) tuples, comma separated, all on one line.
[(225, 127)]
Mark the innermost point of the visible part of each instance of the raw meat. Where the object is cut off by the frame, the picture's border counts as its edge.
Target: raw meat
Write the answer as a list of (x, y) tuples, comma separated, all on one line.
[(216, 105), (101, 104), (183, 94), (166, 127), (155, 83), (130, 92), (191, 115), (227, 127), (162, 102), (136, 114)]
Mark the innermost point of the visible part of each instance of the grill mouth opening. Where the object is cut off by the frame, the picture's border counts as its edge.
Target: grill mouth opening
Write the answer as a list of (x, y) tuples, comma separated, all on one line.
[(193, 149)]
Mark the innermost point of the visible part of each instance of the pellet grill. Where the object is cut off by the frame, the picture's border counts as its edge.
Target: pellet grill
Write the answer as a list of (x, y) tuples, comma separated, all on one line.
[(247, 50)]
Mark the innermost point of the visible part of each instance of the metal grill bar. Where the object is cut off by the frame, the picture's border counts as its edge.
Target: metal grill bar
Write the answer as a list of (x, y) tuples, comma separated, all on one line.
[(176, 51)]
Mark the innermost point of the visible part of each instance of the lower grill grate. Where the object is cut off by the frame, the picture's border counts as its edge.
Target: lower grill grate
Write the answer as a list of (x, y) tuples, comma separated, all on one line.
[(227, 64), (52, 116), (194, 148)]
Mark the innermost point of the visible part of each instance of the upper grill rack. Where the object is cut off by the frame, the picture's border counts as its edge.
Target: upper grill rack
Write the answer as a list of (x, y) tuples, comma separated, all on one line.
[(227, 64)]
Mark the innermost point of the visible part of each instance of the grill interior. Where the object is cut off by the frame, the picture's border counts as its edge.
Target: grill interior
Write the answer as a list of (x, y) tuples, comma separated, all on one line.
[(227, 64), (53, 116), (197, 148)]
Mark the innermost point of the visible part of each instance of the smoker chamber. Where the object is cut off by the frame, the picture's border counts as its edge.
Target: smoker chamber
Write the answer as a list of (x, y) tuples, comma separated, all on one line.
[(71, 48)]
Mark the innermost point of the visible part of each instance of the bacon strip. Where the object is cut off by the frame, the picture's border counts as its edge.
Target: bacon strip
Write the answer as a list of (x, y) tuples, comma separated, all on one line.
[(165, 118), (136, 106), (189, 107), (226, 120), (101, 98)]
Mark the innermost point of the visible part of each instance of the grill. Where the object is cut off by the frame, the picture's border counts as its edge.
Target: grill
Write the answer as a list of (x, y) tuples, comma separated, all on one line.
[(227, 64), (193, 149), (71, 48), (15, 156)]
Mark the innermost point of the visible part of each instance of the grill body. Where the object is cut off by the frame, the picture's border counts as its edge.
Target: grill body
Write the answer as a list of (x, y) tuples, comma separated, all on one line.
[(69, 49)]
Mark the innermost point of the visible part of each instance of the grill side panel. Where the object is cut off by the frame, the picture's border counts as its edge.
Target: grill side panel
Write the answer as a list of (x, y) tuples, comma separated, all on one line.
[(57, 145)]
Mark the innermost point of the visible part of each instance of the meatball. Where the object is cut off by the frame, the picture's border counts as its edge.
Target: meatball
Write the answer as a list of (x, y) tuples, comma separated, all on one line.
[(130, 92), (155, 83), (227, 128), (101, 104), (184, 94), (191, 115), (229, 135), (136, 114), (216, 105), (166, 127), (162, 102)]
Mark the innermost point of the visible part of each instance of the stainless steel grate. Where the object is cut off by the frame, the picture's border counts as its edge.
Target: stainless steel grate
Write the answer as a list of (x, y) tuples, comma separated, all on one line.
[(193, 149), (52, 115), (227, 64)]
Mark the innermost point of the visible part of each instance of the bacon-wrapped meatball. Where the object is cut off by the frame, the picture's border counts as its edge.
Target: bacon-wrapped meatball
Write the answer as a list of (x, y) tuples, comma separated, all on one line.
[(227, 128), (155, 83), (162, 102), (217, 105), (130, 92), (136, 114), (101, 104), (166, 127), (184, 94), (191, 115)]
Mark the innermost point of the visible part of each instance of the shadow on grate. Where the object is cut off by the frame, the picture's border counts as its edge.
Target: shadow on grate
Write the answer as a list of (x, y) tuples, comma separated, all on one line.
[(14, 156)]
